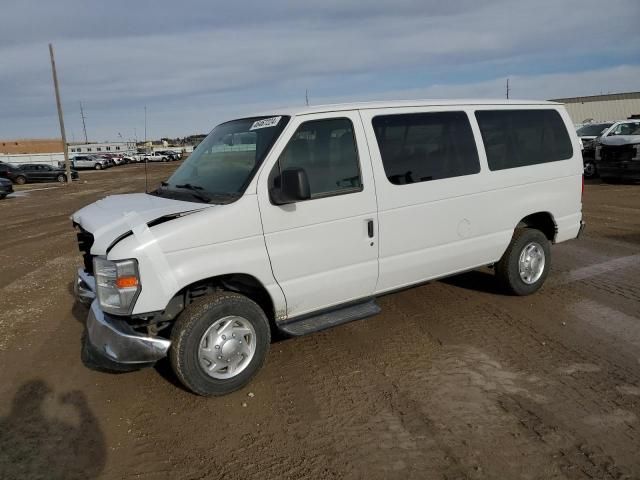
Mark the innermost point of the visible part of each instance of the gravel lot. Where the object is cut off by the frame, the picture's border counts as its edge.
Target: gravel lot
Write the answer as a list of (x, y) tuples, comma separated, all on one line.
[(452, 379)]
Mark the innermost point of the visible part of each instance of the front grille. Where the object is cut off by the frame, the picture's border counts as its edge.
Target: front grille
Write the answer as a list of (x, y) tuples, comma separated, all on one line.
[(617, 153), (85, 242)]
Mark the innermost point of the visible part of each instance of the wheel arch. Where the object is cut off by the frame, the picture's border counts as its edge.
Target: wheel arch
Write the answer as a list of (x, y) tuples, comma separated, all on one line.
[(543, 221), (241, 283)]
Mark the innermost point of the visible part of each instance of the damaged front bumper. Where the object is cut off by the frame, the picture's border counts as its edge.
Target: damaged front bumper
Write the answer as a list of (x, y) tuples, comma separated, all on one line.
[(110, 341)]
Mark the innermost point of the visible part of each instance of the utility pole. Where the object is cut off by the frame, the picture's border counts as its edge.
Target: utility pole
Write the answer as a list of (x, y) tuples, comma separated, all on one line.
[(146, 176), (67, 165), (508, 89), (145, 127), (84, 125)]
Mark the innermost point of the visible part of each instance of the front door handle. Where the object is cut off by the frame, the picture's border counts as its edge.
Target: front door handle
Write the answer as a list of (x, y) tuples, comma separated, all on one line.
[(370, 228)]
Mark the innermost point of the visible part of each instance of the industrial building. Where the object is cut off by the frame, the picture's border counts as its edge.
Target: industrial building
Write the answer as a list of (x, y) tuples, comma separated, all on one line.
[(614, 106), (107, 147)]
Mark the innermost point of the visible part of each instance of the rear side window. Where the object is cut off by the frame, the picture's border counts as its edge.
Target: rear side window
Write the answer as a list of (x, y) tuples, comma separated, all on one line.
[(426, 146), (519, 138)]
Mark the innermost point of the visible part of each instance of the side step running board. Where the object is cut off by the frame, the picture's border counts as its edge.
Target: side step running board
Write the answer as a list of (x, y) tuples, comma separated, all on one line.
[(337, 316)]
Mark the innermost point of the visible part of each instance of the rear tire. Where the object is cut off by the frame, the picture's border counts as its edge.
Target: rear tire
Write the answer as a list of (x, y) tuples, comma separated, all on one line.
[(20, 180), (525, 265), (61, 178), (590, 170), (197, 343)]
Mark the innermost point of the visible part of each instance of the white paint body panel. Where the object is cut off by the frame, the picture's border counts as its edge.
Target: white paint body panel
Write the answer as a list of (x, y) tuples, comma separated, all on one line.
[(316, 254)]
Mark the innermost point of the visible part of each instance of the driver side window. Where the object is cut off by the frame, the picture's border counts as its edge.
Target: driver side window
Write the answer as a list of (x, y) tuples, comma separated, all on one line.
[(326, 150)]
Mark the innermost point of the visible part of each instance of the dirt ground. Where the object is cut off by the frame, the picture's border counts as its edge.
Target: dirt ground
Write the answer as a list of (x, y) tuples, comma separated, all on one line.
[(452, 380)]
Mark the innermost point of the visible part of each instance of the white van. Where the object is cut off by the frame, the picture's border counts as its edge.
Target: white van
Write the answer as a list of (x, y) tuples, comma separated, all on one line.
[(322, 210)]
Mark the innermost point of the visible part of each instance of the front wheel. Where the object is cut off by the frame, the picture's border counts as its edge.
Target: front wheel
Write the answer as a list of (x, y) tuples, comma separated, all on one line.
[(20, 180), (98, 166), (61, 178), (525, 265), (219, 343)]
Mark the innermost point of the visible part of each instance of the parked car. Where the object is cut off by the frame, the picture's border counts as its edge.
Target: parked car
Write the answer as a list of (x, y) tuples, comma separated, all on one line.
[(618, 152), (9, 171), (6, 187), (588, 134), (332, 207), (170, 154), (89, 161), (38, 172)]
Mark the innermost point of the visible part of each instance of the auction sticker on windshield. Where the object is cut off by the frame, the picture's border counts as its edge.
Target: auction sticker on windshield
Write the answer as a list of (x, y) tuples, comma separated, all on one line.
[(265, 123)]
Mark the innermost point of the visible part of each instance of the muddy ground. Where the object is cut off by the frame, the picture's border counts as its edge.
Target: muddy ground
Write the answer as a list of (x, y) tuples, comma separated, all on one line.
[(452, 380)]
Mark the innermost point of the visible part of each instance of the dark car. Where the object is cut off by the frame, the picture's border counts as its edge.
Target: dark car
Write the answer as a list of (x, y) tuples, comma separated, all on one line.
[(6, 187), (8, 171), (36, 172)]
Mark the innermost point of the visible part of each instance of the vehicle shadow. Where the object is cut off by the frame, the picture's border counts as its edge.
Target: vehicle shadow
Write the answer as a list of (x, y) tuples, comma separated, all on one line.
[(52, 437), (476, 280)]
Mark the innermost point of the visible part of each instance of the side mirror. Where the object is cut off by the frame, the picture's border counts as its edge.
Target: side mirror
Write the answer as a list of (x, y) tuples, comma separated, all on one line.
[(291, 186)]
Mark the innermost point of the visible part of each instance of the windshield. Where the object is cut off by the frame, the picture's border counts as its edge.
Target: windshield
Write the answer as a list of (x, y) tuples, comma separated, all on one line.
[(224, 163), (593, 130)]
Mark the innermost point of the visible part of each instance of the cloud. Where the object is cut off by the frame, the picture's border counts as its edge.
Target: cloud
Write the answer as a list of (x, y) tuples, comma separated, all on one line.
[(191, 62)]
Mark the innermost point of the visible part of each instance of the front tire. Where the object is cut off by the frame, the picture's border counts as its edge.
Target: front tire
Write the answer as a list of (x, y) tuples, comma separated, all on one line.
[(219, 343), (61, 178), (525, 265), (20, 180), (98, 166)]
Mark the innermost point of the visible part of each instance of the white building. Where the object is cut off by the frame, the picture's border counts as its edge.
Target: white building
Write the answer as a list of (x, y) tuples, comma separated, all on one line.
[(614, 106), (107, 147)]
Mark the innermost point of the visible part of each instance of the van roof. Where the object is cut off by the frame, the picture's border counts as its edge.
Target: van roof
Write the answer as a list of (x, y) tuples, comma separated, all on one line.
[(337, 107)]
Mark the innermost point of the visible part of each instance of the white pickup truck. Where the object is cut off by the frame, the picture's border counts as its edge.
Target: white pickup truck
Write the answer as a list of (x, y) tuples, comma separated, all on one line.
[(154, 157), (322, 210)]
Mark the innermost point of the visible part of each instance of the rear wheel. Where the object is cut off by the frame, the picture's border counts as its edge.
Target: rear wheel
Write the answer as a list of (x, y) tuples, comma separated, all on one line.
[(21, 180), (61, 178), (590, 170), (525, 265), (219, 343)]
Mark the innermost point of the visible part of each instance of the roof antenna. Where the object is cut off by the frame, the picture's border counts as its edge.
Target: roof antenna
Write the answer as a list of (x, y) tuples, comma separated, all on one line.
[(306, 96), (508, 89)]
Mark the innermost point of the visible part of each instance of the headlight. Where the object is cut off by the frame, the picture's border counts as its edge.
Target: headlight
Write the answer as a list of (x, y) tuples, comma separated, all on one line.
[(117, 284)]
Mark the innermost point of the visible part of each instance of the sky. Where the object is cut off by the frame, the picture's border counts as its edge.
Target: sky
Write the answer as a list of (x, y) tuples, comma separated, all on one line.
[(196, 63)]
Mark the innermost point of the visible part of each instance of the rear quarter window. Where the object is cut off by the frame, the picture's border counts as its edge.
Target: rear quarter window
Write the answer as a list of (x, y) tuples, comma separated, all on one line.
[(519, 138)]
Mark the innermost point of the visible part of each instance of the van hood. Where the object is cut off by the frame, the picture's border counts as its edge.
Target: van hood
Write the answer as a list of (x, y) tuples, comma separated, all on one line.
[(621, 140), (113, 216)]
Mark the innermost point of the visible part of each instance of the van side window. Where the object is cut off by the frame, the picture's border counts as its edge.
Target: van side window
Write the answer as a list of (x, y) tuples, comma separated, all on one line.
[(326, 150), (420, 147), (519, 138)]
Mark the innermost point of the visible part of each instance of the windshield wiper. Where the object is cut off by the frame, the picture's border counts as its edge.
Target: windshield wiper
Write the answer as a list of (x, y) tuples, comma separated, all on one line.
[(194, 191), (189, 186)]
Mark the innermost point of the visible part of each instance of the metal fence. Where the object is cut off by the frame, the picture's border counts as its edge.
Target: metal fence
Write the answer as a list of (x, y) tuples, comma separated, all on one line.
[(22, 158)]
